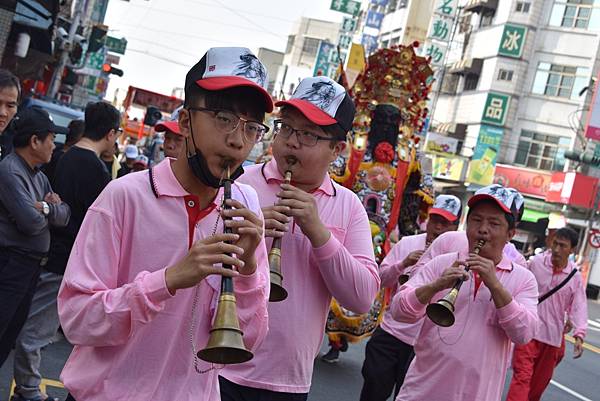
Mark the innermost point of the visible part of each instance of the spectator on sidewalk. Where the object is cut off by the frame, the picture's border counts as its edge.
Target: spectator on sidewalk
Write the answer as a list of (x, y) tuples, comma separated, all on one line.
[(10, 92), (28, 206), (76, 128), (140, 164), (131, 154), (111, 161), (80, 177)]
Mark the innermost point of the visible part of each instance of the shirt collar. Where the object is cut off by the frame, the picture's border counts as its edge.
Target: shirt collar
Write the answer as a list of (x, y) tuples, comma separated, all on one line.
[(34, 170), (271, 174), (548, 263), (166, 184)]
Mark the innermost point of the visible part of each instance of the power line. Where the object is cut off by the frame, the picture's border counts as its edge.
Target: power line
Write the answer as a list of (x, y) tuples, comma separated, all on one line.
[(160, 57)]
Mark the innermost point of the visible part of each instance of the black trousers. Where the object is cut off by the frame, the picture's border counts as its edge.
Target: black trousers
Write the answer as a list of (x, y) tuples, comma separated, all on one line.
[(234, 392), (18, 279), (386, 362)]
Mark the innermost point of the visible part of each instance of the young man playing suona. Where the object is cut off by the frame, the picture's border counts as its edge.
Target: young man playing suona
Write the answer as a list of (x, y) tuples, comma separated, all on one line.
[(533, 363), (390, 349), (326, 243), (144, 275), (494, 307)]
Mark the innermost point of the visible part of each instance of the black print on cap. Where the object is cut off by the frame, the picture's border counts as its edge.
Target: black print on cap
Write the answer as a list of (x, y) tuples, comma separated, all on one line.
[(251, 68), (450, 205), (321, 94)]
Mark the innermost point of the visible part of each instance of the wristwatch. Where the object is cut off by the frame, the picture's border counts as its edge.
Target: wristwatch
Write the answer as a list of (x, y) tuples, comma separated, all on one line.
[(45, 208)]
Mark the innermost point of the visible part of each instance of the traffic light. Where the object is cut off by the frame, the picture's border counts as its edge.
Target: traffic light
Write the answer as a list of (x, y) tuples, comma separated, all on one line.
[(109, 69), (585, 158), (153, 115)]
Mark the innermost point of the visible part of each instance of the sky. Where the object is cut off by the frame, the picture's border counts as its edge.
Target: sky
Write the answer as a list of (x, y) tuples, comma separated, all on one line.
[(167, 37)]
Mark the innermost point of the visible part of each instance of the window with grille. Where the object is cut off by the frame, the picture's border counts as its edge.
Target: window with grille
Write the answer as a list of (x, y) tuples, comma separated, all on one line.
[(522, 7), (486, 18), (290, 43), (560, 80), (471, 81), (540, 151), (581, 14), (505, 75), (310, 46)]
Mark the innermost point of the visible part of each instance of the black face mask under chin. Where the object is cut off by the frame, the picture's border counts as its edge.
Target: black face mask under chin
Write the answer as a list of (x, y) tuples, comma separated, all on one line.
[(199, 167)]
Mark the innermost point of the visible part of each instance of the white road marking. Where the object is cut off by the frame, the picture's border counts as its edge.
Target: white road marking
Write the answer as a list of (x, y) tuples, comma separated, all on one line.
[(569, 391)]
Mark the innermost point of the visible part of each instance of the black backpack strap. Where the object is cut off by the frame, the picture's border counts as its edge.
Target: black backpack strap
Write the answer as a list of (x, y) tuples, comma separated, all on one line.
[(152, 186), (558, 287)]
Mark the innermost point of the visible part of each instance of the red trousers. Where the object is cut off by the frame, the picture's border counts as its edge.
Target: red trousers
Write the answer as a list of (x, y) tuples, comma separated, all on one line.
[(533, 365)]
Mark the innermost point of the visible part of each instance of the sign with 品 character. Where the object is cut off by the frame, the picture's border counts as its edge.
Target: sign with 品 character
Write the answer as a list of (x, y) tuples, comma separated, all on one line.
[(496, 108)]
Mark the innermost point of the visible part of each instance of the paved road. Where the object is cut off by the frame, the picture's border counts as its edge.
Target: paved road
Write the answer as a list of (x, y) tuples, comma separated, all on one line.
[(575, 380)]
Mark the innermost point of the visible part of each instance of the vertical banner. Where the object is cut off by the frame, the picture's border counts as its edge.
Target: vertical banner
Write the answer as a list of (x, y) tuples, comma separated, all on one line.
[(322, 64), (483, 162), (440, 31)]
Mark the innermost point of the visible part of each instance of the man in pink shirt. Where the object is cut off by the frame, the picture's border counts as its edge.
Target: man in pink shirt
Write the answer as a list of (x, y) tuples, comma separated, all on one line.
[(496, 306), (326, 243), (390, 349), (534, 362), (142, 283)]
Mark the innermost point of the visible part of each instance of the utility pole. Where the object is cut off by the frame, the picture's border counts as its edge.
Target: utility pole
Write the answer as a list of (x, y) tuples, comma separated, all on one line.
[(66, 48)]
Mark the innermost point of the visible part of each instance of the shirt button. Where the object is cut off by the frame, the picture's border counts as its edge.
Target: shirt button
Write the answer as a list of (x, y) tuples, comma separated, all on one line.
[(191, 203)]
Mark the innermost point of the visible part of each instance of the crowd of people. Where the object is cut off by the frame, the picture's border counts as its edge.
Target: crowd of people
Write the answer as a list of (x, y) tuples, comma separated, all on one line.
[(126, 255)]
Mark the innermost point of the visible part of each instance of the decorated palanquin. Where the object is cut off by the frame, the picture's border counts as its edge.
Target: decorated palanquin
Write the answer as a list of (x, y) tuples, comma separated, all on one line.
[(382, 165)]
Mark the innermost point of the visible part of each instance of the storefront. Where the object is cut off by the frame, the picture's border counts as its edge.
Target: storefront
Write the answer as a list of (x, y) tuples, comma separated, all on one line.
[(534, 185)]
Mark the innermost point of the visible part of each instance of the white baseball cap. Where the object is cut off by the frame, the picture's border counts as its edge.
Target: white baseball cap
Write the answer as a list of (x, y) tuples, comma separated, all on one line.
[(131, 152)]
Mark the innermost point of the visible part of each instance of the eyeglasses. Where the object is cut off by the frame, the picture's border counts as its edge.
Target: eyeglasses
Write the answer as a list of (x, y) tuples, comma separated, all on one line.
[(227, 122), (306, 138)]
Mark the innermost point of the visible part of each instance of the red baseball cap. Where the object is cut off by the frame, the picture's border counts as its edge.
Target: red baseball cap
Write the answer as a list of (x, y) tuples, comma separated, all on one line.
[(172, 126), (229, 67)]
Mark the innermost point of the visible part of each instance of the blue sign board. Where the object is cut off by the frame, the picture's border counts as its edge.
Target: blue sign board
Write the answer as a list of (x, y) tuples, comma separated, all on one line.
[(374, 19)]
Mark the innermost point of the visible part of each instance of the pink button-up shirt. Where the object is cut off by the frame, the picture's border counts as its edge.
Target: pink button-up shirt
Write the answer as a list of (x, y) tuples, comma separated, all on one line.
[(131, 337), (569, 300), (390, 271), (344, 267), (467, 361)]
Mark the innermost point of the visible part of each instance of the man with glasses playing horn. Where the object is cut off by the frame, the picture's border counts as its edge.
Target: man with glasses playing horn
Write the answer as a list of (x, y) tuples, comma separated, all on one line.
[(390, 349), (326, 247), (148, 260), (496, 306)]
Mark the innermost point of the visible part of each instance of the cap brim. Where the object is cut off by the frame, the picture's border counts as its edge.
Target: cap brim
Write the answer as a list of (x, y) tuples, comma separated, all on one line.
[(478, 198), (309, 110), (220, 83), (444, 213), (172, 126)]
